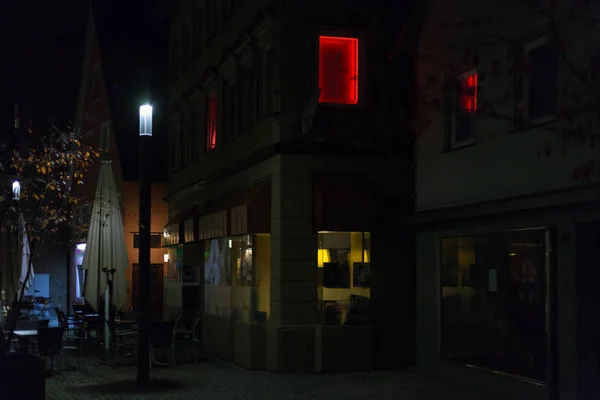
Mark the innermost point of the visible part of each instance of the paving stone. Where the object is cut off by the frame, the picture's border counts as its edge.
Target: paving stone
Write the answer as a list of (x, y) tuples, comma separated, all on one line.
[(216, 379)]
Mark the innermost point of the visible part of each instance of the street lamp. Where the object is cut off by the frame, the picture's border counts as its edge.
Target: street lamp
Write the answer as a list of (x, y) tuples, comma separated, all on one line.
[(146, 120), (144, 248), (16, 190)]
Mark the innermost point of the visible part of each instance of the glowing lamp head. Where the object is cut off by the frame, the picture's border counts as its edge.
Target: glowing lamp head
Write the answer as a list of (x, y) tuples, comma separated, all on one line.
[(16, 189), (146, 120), (166, 258)]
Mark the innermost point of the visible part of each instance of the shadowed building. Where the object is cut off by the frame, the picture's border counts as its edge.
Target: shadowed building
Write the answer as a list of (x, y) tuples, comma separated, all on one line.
[(288, 167)]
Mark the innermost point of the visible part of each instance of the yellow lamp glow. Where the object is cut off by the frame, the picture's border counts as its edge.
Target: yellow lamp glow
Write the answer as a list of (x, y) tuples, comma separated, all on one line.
[(323, 257), (365, 256)]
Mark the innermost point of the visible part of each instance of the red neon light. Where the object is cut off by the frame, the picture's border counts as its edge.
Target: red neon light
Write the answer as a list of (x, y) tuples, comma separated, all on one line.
[(470, 93), (211, 124), (338, 70)]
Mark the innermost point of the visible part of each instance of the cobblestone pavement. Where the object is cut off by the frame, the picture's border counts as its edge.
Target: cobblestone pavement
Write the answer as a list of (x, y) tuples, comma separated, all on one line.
[(215, 379)]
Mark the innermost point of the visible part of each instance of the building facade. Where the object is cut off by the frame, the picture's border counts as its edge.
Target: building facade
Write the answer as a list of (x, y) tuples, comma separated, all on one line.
[(288, 165), (506, 199)]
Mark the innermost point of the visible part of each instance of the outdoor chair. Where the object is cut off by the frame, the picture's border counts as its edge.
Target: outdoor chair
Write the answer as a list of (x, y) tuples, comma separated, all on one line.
[(190, 335), (50, 343), (162, 337), (75, 344)]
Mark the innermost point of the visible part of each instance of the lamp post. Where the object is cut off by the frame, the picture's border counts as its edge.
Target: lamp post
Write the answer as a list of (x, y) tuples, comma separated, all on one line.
[(144, 248)]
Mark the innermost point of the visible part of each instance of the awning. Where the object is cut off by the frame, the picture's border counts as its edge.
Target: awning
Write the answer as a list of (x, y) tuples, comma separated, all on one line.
[(345, 202), (251, 211), (239, 211), (175, 227)]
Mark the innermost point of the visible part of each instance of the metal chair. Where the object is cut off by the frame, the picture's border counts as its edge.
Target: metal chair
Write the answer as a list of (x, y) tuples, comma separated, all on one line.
[(162, 337), (50, 343), (190, 335)]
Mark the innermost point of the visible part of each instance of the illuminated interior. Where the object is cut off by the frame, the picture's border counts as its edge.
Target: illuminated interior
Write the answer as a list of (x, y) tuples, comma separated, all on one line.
[(344, 275), (238, 277), (338, 70), (211, 123), (469, 93)]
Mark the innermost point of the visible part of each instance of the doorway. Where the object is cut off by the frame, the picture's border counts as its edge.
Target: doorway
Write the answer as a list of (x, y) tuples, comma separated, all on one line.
[(155, 305)]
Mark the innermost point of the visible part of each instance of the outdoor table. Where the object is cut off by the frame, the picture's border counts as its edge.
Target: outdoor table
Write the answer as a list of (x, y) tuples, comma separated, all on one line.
[(31, 332)]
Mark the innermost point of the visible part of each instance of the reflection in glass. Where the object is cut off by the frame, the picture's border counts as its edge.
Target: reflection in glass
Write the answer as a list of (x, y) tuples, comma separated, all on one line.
[(238, 277), (493, 302)]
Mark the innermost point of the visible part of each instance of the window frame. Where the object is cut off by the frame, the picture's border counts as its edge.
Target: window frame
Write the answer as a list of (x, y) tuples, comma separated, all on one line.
[(362, 70), (210, 93), (453, 144), (527, 48)]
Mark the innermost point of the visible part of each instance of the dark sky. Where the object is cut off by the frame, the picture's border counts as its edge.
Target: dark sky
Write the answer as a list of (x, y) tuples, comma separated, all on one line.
[(43, 43)]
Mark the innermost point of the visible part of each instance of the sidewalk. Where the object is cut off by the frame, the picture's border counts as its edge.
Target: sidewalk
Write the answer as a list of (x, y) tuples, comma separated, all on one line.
[(216, 379)]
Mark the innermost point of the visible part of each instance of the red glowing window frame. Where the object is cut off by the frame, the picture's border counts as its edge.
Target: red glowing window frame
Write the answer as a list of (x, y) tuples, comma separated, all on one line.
[(211, 123), (338, 70), (468, 93)]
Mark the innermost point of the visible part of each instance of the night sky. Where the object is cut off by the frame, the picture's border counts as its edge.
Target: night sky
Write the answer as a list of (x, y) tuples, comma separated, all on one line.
[(45, 41)]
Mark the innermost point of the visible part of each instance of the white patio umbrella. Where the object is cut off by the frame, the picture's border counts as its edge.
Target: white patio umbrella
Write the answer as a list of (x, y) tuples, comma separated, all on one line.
[(25, 257), (105, 246)]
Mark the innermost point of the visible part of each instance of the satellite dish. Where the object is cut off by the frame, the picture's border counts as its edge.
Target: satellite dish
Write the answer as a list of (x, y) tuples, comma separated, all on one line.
[(308, 114)]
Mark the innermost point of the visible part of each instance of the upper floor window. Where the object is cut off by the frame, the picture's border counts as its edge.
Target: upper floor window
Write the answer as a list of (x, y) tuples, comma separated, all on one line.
[(174, 60), (228, 105), (267, 80), (229, 7), (540, 82), (247, 96), (462, 109), (211, 15), (211, 122), (186, 46), (197, 31), (338, 70)]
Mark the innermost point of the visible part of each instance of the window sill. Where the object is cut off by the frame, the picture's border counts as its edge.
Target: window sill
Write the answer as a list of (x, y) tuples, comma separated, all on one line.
[(524, 125), (459, 146)]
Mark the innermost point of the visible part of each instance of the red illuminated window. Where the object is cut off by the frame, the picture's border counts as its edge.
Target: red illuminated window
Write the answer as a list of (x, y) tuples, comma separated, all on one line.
[(468, 93), (211, 123), (463, 109), (338, 70)]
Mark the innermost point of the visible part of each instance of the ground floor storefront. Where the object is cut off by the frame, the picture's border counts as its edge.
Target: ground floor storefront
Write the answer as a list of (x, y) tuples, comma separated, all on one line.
[(295, 265), (507, 303)]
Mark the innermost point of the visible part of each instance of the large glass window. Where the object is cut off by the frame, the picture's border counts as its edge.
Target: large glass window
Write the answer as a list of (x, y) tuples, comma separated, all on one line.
[(217, 278), (344, 277), (493, 301), (238, 277)]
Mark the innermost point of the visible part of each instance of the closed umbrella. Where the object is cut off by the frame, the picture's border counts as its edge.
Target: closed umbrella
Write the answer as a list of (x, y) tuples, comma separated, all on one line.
[(105, 246)]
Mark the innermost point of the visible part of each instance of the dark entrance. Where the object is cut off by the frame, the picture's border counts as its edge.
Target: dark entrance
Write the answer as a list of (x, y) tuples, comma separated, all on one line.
[(156, 290)]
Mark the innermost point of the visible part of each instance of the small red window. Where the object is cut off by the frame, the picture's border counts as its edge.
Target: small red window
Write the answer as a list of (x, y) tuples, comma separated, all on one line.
[(338, 70), (211, 123), (468, 93)]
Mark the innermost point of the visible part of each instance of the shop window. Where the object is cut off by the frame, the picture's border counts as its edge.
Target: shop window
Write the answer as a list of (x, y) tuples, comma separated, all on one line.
[(493, 302), (238, 278), (338, 70), (344, 277), (211, 123)]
